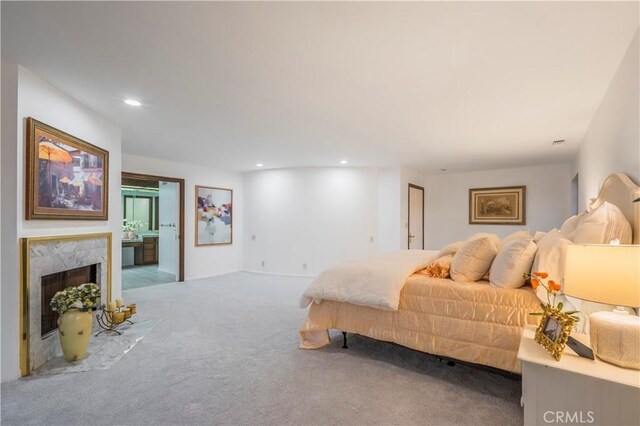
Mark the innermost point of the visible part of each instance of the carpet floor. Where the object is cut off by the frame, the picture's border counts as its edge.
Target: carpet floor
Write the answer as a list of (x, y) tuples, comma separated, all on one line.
[(225, 352)]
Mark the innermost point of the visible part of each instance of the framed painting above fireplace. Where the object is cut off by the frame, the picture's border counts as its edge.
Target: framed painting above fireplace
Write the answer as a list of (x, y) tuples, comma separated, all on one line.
[(66, 177)]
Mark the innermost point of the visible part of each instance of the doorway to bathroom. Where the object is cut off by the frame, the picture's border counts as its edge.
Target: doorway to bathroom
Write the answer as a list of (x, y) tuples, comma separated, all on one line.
[(153, 230)]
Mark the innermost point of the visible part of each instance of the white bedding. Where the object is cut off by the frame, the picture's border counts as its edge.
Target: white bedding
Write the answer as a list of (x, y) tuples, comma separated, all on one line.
[(375, 282)]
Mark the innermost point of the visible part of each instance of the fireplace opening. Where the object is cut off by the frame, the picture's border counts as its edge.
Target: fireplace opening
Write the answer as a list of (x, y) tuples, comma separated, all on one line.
[(59, 281)]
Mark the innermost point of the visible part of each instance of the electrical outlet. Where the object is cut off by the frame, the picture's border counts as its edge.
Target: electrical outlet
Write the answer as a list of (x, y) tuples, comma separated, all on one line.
[(262, 263), (304, 266), (253, 237), (371, 239)]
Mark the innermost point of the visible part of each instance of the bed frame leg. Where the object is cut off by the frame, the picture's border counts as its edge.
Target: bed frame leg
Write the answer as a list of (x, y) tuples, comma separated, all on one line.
[(449, 362), (344, 340)]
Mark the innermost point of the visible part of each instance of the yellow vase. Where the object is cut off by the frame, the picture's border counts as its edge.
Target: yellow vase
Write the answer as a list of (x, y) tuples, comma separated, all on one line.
[(74, 327)]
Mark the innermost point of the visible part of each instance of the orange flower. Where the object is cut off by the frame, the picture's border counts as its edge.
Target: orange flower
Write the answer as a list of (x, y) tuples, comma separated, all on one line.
[(554, 286), (541, 274), (534, 283)]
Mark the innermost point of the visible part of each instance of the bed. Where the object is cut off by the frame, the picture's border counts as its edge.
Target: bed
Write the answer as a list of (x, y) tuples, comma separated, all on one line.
[(467, 321)]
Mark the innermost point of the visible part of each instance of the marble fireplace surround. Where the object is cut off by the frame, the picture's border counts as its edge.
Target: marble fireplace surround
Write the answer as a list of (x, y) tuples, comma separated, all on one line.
[(42, 256)]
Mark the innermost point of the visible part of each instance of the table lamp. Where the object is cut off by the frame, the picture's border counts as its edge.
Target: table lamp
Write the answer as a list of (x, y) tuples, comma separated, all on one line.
[(608, 274)]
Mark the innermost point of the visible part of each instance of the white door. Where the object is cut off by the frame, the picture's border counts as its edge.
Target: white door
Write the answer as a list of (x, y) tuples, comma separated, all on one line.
[(168, 217), (416, 217)]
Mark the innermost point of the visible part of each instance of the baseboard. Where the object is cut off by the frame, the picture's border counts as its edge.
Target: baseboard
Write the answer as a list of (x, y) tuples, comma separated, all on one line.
[(204, 277), (279, 273)]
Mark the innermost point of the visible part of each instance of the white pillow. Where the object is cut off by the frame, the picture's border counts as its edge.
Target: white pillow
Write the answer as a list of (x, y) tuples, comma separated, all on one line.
[(513, 260), (473, 260), (551, 256), (602, 225), (568, 228), (451, 248), (492, 237), (514, 236), (538, 236)]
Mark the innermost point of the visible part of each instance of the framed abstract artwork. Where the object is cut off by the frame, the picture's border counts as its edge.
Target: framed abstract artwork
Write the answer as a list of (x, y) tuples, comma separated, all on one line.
[(497, 206), (214, 215), (66, 177)]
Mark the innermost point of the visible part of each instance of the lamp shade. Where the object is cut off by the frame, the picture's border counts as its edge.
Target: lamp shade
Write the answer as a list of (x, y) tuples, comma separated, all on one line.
[(604, 273)]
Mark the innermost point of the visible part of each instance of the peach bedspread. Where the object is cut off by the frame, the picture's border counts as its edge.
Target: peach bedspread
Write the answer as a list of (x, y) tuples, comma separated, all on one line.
[(471, 322)]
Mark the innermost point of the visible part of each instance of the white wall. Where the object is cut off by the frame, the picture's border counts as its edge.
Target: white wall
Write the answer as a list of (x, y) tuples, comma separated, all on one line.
[(612, 142), (313, 216), (390, 210), (9, 297), (548, 201), (322, 216), (203, 261), (37, 99)]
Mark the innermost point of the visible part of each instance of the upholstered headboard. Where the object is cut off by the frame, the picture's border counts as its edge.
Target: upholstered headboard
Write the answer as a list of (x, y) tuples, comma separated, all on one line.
[(618, 189)]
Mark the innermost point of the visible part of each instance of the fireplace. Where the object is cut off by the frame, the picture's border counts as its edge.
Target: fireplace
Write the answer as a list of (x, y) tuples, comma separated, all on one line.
[(66, 260), (58, 281)]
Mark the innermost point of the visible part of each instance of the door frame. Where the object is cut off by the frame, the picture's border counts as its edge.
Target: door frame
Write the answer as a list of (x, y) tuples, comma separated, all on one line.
[(420, 188), (181, 197)]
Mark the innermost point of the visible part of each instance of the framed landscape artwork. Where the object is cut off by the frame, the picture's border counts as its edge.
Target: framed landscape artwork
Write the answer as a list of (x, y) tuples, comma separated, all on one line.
[(497, 206), (214, 215), (66, 177)]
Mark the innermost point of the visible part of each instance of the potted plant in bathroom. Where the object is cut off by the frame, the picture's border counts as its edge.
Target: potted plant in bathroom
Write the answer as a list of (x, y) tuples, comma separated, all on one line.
[(131, 228), (74, 305)]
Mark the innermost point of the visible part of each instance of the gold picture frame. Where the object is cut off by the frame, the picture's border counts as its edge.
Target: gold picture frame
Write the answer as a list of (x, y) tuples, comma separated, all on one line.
[(66, 177), (554, 330), (497, 206)]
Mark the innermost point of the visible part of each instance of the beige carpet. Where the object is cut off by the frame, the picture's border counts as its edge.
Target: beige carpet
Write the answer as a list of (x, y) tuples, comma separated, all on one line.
[(225, 352)]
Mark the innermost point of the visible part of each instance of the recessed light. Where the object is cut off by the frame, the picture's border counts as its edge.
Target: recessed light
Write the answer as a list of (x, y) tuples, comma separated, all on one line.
[(343, 161), (132, 102), (259, 165)]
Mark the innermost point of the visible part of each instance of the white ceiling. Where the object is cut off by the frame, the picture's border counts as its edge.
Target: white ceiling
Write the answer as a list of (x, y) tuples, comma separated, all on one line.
[(460, 86)]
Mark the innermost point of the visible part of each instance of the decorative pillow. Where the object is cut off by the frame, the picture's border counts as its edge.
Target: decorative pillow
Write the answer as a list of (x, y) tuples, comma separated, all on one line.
[(550, 257), (439, 268), (513, 260), (602, 225), (449, 249), (568, 228), (538, 236), (514, 236), (492, 237), (473, 260)]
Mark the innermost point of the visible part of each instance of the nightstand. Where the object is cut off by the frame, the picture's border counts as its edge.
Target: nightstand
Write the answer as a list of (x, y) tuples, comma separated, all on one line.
[(575, 390)]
